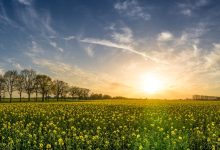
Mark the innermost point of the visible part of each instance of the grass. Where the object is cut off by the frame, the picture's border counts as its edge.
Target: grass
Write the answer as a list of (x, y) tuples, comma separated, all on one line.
[(110, 124)]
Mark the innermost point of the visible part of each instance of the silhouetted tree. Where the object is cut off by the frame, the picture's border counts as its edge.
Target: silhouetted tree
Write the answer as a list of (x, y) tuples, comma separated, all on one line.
[(82, 93), (85, 93), (106, 97), (64, 90), (58, 88), (36, 87), (45, 83), (20, 85), (29, 80), (73, 91), (2, 86), (10, 81)]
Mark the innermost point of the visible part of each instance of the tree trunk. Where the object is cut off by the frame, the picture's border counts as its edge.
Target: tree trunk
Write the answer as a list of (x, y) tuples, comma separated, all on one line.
[(42, 97), (10, 97), (36, 97), (20, 96), (29, 97)]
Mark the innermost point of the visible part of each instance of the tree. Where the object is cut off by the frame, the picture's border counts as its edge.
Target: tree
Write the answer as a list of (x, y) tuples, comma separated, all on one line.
[(85, 93), (10, 81), (44, 82), (29, 81), (64, 90), (20, 85), (36, 88), (58, 88), (2, 86), (106, 96), (82, 93), (73, 91)]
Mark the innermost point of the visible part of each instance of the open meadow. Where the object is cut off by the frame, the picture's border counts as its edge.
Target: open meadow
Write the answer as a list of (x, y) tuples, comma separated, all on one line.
[(111, 124)]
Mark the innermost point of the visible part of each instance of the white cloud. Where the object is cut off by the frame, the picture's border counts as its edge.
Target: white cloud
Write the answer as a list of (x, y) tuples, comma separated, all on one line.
[(213, 58), (165, 36), (18, 66), (123, 37), (69, 38), (1, 71), (132, 8), (186, 12), (25, 2), (54, 44)]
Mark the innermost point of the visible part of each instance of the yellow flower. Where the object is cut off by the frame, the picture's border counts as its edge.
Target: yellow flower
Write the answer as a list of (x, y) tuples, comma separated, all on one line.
[(48, 146), (41, 145), (140, 147), (173, 132), (60, 141), (208, 139), (180, 138)]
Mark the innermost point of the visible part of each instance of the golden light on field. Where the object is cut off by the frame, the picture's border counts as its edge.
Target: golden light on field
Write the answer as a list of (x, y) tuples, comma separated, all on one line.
[(151, 83)]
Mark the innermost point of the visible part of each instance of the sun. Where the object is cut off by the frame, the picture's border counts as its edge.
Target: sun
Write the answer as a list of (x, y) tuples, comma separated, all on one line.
[(151, 83)]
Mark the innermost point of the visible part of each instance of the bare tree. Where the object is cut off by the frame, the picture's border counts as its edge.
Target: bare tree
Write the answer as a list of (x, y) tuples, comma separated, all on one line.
[(20, 85), (2, 86), (85, 93), (44, 85), (82, 93), (58, 88), (73, 91), (65, 91), (29, 80), (10, 81), (36, 87)]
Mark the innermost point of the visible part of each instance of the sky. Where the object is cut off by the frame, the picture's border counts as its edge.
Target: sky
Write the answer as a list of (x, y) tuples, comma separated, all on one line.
[(116, 46)]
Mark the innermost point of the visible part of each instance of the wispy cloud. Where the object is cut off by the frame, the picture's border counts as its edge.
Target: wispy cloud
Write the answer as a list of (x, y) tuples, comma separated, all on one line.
[(69, 38), (35, 21), (54, 44), (131, 8), (188, 7), (90, 51), (213, 58), (25, 2), (5, 19), (14, 63), (118, 46), (125, 36)]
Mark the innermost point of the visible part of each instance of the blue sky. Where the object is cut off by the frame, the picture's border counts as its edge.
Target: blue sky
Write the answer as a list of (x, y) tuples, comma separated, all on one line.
[(109, 45)]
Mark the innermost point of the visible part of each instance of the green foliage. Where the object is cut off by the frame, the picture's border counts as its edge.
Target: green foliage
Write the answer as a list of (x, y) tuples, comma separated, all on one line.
[(113, 124)]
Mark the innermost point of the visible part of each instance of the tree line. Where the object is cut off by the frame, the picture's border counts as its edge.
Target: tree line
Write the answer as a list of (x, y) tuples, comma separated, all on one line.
[(29, 82)]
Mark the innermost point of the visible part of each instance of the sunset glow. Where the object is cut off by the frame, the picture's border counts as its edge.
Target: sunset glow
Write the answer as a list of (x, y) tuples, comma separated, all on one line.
[(151, 84), (107, 45)]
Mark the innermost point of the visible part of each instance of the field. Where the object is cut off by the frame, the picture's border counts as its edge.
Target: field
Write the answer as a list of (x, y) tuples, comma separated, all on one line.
[(112, 124)]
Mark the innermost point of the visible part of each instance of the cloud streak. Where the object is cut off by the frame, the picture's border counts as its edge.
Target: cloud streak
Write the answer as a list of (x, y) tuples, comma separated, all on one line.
[(54, 44)]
